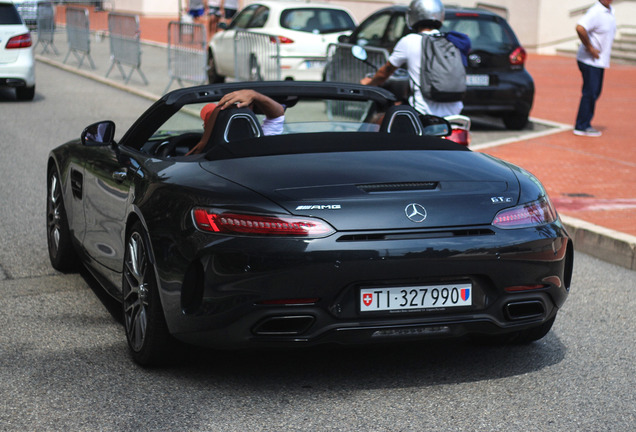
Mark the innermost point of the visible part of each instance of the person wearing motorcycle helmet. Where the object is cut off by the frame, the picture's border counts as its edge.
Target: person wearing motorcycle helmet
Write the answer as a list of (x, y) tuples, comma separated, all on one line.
[(426, 17)]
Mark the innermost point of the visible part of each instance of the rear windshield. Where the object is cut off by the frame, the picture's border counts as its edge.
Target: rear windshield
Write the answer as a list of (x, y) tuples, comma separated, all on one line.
[(9, 15), (486, 33), (316, 20)]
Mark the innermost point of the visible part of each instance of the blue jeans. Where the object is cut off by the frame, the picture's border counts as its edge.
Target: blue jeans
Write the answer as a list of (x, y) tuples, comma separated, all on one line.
[(592, 86)]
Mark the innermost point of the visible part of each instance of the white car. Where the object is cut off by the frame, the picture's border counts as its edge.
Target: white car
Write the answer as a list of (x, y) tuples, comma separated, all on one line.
[(17, 65), (303, 29)]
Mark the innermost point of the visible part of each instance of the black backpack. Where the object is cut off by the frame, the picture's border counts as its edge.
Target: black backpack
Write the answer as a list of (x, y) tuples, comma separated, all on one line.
[(442, 76)]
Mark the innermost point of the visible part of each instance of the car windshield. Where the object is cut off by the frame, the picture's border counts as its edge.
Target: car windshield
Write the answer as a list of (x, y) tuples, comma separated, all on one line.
[(486, 33), (9, 15), (316, 20)]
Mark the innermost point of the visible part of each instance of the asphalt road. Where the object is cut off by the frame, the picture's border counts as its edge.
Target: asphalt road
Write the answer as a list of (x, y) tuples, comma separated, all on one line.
[(64, 363)]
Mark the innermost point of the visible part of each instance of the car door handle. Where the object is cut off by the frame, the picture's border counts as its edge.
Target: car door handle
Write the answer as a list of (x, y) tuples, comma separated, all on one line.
[(120, 176)]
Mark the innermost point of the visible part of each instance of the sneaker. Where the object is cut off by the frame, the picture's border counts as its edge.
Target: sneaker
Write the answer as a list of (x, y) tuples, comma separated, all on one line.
[(590, 132)]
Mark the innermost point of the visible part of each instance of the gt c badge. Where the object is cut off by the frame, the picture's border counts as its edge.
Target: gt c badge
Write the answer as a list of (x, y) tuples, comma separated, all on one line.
[(415, 212)]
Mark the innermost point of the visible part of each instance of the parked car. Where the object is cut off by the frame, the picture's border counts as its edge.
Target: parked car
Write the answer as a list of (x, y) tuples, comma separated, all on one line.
[(498, 83), (304, 31), (17, 64), (343, 229)]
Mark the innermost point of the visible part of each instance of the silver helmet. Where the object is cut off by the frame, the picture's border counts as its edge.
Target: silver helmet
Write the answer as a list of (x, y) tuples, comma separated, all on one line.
[(424, 10)]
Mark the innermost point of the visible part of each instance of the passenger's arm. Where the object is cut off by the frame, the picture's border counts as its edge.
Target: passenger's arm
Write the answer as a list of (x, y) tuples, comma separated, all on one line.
[(245, 98)]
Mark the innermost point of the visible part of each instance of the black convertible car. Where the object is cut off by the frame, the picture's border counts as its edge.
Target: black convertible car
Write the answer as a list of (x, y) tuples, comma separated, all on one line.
[(353, 226)]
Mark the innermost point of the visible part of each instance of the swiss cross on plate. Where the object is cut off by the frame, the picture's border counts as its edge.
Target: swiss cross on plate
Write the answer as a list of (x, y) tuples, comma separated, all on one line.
[(367, 299)]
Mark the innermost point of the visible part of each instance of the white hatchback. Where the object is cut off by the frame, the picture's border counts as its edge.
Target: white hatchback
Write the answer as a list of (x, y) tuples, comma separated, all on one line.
[(303, 30), (17, 65)]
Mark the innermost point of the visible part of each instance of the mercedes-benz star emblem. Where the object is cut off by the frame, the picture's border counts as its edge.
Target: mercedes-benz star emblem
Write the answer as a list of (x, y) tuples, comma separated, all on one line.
[(415, 212)]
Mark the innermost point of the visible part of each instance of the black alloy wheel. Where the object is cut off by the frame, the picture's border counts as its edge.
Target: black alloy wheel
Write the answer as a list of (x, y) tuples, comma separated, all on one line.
[(146, 329), (60, 244)]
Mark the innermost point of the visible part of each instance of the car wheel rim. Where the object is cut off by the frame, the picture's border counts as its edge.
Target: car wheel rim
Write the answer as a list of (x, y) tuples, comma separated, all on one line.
[(53, 214), (136, 290)]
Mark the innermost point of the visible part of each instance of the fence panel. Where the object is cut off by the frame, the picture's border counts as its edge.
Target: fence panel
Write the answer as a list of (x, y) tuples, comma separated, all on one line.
[(78, 34), (125, 44), (342, 66), (187, 53), (256, 56), (46, 26)]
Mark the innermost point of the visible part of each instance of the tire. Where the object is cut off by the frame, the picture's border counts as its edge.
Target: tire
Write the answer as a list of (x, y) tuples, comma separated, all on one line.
[(213, 76), (255, 69), (515, 120), (25, 93), (146, 329), (60, 243)]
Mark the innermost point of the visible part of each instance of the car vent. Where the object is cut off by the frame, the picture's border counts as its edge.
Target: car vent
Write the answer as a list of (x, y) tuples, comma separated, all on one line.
[(415, 235), (396, 187)]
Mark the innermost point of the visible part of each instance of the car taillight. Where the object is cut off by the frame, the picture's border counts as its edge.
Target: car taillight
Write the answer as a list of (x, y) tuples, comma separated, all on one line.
[(248, 224), (21, 41), (460, 136), (532, 214), (281, 39), (518, 57)]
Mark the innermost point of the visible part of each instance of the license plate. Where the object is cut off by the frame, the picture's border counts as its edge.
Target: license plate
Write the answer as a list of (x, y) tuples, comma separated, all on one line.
[(415, 297), (478, 80), (312, 64)]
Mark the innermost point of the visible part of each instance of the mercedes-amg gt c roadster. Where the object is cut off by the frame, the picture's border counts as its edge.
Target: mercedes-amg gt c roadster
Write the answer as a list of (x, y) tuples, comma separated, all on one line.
[(359, 223)]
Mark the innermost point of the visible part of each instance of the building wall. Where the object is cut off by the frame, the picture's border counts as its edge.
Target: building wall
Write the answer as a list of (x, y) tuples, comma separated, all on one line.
[(540, 25)]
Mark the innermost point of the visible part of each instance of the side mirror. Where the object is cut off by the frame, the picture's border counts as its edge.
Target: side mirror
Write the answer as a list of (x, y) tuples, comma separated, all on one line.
[(99, 134), (222, 25), (436, 126), (343, 39), (359, 52)]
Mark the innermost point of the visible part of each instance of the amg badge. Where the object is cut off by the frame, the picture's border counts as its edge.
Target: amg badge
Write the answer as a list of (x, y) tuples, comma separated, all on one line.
[(319, 207)]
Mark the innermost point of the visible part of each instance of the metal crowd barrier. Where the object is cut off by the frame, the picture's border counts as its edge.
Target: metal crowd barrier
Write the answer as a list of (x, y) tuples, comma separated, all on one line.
[(187, 53), (78, 34), (256, 56), (46, 26), (125, 44), (342, 66)]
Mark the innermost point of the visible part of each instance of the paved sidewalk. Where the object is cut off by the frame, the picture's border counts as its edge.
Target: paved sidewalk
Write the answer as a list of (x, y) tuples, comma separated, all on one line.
[(592, 181)]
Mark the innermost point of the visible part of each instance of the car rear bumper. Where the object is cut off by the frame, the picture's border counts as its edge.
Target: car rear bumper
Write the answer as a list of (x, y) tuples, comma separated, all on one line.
[(19, 73), (512, 91), (302, 68), (231, 300)]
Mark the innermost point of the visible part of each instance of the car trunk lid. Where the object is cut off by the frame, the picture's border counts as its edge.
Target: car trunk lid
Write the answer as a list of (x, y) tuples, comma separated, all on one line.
[(378, 190)]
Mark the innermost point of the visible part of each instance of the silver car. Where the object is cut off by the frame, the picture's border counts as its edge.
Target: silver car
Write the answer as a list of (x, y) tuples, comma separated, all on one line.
[(17, 65)]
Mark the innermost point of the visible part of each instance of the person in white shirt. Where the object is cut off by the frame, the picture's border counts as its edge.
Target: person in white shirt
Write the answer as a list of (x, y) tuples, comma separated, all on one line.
[(424, 17), (596, 30)]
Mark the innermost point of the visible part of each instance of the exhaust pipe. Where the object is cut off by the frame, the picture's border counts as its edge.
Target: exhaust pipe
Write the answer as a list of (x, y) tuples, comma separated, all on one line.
[(284, 325), (524, 310)]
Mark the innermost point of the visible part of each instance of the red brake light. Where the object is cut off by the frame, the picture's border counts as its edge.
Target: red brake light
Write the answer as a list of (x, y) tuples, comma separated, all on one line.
[(527, 215), (522, 288), (281, 39), (518, 57), (21, 41), (247, 224), (460, 136)]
